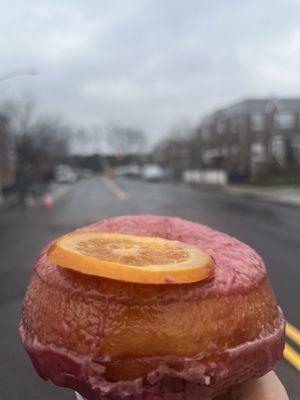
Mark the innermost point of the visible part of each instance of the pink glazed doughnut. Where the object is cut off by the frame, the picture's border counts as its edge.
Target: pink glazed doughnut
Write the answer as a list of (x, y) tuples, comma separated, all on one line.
[(115, 340)]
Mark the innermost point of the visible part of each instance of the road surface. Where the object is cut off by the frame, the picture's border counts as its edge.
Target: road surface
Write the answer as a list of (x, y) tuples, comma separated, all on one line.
[(273, 230)]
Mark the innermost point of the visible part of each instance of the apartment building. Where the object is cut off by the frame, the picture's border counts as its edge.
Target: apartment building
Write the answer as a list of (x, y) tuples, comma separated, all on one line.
[(252, 137)]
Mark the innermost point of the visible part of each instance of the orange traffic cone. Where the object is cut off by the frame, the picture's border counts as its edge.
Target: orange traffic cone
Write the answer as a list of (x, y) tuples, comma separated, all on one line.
[(47, 201)]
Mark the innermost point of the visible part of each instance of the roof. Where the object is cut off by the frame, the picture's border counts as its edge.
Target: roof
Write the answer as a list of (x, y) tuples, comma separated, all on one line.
[(250, 106)]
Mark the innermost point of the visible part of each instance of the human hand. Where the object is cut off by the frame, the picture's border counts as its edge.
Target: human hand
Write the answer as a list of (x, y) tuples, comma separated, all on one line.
[(267, 387)]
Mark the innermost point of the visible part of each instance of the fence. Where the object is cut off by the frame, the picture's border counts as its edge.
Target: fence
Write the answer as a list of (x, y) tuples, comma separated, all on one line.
[(210, 177)]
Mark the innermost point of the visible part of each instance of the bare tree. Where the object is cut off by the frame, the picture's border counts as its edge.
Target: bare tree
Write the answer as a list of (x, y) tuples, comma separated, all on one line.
[(20, 115), (36, 137), (126, 140), (40, 142), (49, 137)]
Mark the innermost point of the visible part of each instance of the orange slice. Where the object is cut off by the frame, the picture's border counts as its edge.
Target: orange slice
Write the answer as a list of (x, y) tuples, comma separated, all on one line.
[(131, 258)]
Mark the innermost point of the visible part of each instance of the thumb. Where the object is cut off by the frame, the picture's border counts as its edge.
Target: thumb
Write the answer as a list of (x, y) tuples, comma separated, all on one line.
[(268, 387)]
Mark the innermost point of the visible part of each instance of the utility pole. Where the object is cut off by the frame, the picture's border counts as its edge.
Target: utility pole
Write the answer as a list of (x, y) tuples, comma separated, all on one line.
[(4, 77)]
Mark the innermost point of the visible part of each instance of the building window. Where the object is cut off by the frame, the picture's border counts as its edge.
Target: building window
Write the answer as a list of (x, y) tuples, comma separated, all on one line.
[(234, 150), (221, 127), (234, 125), (296, 142), (205, 132), (225, 150), (284, 120), (258, 152), (278, 149), (257, 122)]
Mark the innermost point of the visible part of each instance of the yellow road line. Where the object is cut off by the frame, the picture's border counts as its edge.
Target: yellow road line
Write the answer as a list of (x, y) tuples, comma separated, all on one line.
[(120, 194), (292, 333), (292, 356)]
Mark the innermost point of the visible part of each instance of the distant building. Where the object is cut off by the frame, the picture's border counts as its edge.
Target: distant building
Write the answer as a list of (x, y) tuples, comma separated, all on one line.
[(253, 136), (7, 156)]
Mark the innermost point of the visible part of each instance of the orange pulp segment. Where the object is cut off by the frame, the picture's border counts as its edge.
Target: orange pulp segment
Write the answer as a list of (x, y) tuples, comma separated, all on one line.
[(130, 258)]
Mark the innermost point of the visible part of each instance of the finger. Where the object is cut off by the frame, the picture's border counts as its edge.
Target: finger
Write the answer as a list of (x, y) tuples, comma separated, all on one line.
[(268, 387)]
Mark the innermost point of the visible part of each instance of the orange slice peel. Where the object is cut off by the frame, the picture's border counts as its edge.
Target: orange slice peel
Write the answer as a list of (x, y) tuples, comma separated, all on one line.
[(130, 258)]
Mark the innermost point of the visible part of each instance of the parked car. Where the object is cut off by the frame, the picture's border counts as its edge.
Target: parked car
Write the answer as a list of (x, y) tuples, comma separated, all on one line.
[(65, 174), (153, 173)]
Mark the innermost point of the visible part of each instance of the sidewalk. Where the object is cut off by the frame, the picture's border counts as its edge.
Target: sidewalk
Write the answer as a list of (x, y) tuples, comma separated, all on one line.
[(284, 195), (56, 191)]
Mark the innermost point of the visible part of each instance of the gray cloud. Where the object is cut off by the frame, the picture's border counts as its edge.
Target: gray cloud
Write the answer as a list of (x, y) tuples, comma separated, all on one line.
[(148, 63)]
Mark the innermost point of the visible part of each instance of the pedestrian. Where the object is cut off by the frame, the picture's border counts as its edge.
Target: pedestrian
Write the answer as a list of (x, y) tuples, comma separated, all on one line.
[(21, 184)]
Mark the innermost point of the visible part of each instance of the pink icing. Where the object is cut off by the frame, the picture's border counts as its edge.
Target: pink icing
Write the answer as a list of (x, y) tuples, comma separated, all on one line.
[(199, 382), (238, 268)]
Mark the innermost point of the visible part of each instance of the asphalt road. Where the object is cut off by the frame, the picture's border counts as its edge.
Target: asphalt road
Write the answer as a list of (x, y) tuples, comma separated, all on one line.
[(272, 229)]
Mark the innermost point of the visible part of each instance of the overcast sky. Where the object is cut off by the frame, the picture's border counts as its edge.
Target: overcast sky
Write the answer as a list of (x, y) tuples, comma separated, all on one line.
[(148, 63)]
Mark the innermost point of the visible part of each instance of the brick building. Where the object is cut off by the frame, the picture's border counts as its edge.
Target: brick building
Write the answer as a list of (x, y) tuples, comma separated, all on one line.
[(252, 137)]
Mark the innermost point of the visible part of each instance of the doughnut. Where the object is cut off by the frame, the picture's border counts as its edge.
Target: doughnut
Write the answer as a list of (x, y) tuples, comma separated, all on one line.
[(108, 339)]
